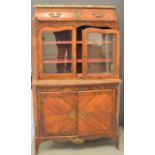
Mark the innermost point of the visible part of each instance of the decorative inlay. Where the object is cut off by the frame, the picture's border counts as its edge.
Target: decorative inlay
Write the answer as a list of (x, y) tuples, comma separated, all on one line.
[(55, 14), (78, 140)]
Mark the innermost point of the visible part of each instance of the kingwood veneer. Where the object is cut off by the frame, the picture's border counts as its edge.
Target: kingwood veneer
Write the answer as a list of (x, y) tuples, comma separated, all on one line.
[(76, 78)]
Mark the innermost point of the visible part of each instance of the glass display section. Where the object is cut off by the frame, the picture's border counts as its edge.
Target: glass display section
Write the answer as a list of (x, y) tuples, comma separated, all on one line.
[(57, 58), (57, 55), (100, 52), (79, 53)]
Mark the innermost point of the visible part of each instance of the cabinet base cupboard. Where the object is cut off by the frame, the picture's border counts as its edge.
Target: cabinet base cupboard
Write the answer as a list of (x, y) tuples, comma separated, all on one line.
[(76, 79)]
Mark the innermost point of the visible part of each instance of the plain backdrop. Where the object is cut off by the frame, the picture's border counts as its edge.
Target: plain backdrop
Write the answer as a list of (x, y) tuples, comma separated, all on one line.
[(15, 77), (120, 10)]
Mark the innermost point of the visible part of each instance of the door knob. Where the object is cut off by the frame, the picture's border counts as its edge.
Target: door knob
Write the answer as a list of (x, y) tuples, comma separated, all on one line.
[(72, 114), (98, 15), (82, 115)]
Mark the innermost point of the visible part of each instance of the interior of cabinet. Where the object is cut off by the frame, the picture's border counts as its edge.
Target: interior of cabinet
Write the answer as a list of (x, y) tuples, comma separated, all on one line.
[(58, 51)]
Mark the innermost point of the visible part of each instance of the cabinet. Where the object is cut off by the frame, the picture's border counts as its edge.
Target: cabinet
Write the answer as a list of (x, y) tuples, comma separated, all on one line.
[(76, 79)]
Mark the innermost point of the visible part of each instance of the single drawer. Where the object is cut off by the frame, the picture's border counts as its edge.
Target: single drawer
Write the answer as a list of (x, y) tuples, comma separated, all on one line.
[(76, 14)]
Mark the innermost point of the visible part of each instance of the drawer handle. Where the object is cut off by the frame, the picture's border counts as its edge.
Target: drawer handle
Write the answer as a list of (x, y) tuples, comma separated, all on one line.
[(98, 15), (82, 115), (77, 14), (55, 14), (72, 114)]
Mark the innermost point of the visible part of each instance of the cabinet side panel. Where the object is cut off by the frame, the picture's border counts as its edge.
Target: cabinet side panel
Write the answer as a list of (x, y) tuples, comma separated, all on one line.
[(36, 113), (35, 57)]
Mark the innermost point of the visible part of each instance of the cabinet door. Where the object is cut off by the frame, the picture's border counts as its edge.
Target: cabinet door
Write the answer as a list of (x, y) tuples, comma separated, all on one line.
[(97, 112), (101, 53), (57, 52), (58, 113)]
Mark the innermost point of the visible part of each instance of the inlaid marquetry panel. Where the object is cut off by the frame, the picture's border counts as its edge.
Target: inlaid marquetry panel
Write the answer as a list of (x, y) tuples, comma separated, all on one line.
[(96, 110), (58, 113)]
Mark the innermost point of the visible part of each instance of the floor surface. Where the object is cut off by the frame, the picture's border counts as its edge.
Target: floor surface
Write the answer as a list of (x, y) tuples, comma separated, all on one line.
[(97, 147)]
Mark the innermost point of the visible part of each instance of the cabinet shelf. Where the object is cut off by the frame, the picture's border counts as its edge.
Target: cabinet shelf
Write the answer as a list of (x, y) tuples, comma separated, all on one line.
[(78, 42), (78, 60), (57, 61), (60, 42)]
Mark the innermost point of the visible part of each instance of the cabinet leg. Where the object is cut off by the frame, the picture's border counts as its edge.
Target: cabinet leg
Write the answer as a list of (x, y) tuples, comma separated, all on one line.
[(37, 143), (116, 140), (117, 144)]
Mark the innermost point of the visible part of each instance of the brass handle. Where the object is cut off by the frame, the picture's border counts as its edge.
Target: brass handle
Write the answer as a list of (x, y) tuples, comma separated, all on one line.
[(55, 14), (98, 15), (82, 115), (77, 14), (72, 114)]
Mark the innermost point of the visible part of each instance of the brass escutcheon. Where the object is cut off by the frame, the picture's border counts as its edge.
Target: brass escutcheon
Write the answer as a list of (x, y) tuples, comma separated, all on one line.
[(77, 14), (77, 140), (82, 115), (98, 15), (72, 114), (55, 14)]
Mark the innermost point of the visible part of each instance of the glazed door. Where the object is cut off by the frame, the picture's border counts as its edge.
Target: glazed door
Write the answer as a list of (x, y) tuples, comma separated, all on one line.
[(57, 51), (58, 113), (96, 111), (101, 53)]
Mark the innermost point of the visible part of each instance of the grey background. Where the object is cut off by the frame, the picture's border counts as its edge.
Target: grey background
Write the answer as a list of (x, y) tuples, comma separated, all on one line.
[(120, 10)]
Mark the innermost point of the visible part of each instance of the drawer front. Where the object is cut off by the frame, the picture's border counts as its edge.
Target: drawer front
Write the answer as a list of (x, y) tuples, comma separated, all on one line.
[(58, 113), (76, 14)]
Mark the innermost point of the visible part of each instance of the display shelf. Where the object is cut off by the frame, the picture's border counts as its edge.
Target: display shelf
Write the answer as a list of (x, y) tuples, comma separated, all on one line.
[(60, 42), (57, 61), (78, 42), (78, 60)]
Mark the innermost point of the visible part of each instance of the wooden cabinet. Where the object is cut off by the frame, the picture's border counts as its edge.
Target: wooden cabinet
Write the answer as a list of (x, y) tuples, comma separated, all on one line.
[(76, 78)]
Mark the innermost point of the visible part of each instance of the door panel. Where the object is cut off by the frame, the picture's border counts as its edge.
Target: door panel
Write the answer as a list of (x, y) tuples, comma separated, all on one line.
[(57, 52), (58, 114), (96, 111), (101, 52)]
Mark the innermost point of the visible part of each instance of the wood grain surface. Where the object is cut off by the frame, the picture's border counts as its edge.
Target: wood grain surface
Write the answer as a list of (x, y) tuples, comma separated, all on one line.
[(55, 114), (99, 109)]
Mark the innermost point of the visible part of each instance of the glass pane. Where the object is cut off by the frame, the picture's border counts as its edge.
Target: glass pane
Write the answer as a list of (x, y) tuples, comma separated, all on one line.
[(101, 52), (57, 68), (99, 67), (57, 52)]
